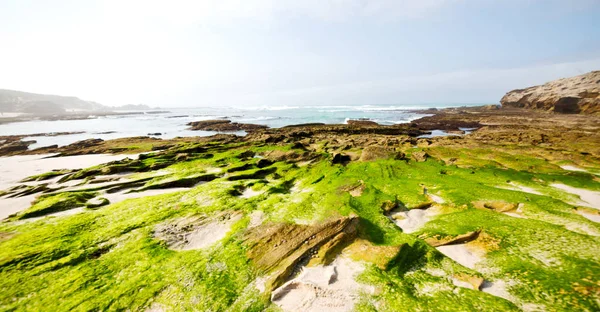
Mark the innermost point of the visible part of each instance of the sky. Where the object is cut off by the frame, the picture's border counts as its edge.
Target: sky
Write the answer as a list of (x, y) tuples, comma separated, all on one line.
[(185, 53)]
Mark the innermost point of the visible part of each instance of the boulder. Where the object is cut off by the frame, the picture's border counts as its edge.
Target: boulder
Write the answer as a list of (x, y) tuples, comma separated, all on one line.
[(86, 143), (400, 156), (246, 154), (338, 158), (496, 205), (97, 202), (388, 205), (15, 146), (420, 156), (262, 163)]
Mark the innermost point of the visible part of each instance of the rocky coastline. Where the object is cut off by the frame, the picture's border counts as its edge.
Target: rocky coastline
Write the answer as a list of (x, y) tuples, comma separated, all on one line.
[(573, 95), (500, 212)]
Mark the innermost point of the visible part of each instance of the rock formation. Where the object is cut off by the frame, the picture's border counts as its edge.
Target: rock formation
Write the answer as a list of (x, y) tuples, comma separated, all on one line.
[(579, 94), (223, 125)]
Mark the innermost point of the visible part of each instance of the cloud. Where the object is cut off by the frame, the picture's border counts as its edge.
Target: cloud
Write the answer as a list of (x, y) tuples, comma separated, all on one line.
[(228, 11)]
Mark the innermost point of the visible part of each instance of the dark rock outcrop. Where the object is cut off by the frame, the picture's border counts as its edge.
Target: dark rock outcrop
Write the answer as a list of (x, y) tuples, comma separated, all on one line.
[(362, 123), (338, 158), (223, 125)]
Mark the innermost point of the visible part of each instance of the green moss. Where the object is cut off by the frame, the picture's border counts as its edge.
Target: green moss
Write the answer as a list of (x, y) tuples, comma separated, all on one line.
[(46, 176), (107, 259), (47, 204)]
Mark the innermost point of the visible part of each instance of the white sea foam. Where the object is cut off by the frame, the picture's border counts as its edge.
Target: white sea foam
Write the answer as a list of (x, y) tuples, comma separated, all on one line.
[(121, 126)]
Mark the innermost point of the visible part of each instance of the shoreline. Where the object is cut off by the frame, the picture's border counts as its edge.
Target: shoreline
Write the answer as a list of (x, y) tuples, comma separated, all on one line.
[(23, 117), (314, 210), (436, 122)]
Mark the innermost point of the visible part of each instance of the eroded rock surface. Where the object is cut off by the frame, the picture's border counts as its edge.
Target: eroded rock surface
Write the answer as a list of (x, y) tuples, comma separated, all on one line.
[(196, 232), (279, 249), (579, 94)]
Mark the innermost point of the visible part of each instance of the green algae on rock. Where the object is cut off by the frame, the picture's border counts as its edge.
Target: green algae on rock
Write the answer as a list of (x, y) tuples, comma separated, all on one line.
[(250, 218)]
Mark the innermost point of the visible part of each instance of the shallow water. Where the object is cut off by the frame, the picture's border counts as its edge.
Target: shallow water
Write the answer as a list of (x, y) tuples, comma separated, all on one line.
[(173, 123)]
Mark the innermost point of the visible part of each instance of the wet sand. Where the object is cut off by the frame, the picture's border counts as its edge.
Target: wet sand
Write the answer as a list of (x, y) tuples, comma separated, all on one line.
[(13, 169)]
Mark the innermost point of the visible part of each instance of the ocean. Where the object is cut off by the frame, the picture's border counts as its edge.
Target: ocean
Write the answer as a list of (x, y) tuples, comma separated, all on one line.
[(172, 122)]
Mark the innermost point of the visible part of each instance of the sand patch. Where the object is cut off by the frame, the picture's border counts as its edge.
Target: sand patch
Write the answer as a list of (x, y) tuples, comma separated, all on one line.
[(10, 206), (297, 189), (13, 169), (412, 220), (582, 229), (436, 199), (322, 288), (497, 288), (520, 188), (590, 216), (587, 198), (256, 218), (304, 163), (204, 200), (196, 232), (573, 168), (464, 254), (515, 215), (249, 193), (526, 189), (500, 288), (155, 307), (94, 184), (16, 168), (213, 170)]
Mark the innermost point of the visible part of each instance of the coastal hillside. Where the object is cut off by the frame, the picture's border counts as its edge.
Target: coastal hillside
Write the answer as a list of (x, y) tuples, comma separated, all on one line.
[(579, 94), (12, 101), (25, 102)]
